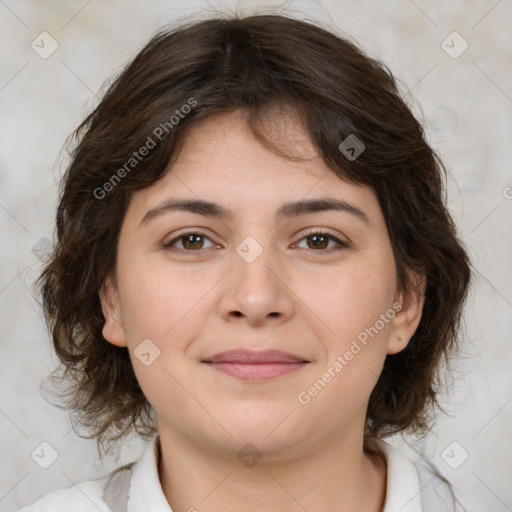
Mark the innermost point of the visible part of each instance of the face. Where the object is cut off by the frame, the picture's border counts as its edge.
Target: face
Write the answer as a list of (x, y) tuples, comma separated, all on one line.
[(319, 284)]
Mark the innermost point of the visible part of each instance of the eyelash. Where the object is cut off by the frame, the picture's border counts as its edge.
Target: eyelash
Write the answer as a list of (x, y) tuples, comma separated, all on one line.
[(341, 244)]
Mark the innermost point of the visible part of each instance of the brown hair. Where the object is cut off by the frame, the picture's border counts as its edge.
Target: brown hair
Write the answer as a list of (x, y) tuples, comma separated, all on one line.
[(251, 63)]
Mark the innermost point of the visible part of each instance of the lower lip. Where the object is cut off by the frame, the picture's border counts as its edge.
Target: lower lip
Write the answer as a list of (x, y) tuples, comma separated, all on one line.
[(261, 371)]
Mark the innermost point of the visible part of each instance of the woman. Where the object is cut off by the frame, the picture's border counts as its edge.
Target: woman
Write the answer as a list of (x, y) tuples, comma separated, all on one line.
[(256, 271)]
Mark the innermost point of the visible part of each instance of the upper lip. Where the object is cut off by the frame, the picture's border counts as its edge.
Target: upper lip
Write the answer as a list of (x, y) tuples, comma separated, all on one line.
[(254, 357)]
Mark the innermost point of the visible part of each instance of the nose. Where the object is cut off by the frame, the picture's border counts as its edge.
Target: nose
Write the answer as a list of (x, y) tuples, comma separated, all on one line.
[(256, 291)]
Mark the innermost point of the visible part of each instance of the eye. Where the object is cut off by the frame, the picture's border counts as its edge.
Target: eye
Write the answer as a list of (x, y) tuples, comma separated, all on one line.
[(190, 240), (320, 241), (194, 241)]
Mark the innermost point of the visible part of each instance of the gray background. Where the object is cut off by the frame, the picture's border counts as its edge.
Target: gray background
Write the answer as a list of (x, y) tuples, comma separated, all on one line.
[(466, 107)]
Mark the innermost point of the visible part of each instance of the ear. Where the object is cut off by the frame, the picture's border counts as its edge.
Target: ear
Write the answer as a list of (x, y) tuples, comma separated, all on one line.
[(113, 330), (407, 319)]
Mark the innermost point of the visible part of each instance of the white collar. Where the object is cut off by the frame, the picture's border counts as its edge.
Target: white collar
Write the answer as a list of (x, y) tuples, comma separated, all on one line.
[(402, 484), (146, 492)]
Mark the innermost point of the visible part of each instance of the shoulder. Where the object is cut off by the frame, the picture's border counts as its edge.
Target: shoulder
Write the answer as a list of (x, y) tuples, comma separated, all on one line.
[(436, 492), (83, 497), (107, 493), (415, 486)]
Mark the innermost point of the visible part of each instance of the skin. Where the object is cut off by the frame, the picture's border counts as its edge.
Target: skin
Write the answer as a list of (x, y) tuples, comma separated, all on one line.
[(296, 296)]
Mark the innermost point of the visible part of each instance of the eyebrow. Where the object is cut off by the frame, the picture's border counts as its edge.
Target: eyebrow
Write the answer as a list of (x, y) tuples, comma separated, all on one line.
[(286, 210)]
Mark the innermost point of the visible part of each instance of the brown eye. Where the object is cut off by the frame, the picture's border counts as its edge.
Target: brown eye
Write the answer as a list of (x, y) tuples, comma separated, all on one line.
[(320, 242), (192, 241)]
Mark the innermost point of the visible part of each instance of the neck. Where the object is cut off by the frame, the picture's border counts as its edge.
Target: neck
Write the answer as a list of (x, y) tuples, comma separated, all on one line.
[(339, 476)]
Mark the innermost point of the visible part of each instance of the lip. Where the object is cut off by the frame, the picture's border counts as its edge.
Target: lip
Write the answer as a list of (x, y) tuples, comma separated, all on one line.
[(251, 365), (245, 356)]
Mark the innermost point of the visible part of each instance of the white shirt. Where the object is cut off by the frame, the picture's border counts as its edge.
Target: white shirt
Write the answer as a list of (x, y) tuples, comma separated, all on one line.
[(409, 488)]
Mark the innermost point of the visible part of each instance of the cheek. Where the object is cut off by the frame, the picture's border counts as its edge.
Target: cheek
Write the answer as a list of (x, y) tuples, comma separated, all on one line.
[(349, 300), (355, 353), (360, 312), (157, 311), (158, 298)]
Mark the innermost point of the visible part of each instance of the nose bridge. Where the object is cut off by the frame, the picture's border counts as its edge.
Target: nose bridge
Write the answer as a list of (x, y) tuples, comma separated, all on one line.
[(253, 261), (256, 288)]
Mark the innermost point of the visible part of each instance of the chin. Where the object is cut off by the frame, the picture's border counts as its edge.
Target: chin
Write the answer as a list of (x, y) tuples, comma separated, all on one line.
[(271, 428)]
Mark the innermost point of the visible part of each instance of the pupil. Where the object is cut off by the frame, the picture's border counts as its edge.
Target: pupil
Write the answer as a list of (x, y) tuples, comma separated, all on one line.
[(193, 239), (316, 238)]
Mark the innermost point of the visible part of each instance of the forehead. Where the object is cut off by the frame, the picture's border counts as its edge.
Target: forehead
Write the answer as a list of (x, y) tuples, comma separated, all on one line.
[(221, 161), (228, 129)]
